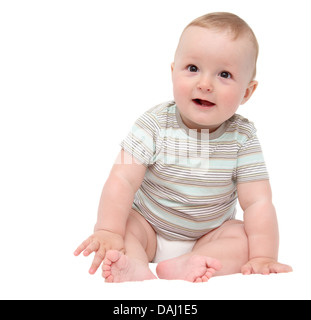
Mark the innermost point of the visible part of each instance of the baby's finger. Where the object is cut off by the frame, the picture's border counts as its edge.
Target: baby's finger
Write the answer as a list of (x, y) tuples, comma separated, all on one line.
[(246, 269), (265, 270), (82, 246), (99, 257), (280, 268), (93, 246)]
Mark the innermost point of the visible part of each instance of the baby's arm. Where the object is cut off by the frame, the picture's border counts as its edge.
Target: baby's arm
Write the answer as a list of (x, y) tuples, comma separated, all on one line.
[(261, 227), (116, 201), (118, 194)]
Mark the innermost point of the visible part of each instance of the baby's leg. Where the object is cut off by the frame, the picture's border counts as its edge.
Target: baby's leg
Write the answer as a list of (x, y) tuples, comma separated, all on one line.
[(228, 244), (140, 247), (221, 252)]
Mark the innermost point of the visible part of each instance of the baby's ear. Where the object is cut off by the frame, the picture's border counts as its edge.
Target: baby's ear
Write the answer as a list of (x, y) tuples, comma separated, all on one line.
[(249, 91)]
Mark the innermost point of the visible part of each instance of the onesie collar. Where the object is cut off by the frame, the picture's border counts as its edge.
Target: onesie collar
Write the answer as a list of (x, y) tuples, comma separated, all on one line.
[(214, 135)]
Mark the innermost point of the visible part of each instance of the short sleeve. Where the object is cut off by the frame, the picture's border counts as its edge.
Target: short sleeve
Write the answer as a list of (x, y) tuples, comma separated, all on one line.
[(141, 140), (250, 162)]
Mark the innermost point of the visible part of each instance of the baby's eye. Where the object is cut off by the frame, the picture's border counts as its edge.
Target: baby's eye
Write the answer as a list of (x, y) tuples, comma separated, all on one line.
[(225, 74), (192, 68)]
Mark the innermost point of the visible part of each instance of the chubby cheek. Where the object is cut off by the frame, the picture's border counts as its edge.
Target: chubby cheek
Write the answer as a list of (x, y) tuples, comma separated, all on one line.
[(181, 90), (231, 100)]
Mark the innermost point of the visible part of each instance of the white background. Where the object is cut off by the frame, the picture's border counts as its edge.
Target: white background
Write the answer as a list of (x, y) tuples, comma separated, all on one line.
[(74, 75)]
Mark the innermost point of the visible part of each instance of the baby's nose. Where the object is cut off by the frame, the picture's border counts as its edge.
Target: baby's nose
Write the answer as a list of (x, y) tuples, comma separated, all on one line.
[(205, 84)]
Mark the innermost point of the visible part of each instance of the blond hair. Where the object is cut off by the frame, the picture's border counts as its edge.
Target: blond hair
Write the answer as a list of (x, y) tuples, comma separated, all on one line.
[(225, 21)]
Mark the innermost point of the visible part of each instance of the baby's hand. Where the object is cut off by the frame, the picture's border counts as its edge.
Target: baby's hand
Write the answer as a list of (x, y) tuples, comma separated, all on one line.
[(100, 242), (264, 266)]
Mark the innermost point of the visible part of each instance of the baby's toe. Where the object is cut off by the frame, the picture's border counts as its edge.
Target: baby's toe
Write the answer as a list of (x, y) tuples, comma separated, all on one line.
[(109, 279), (106, 267)]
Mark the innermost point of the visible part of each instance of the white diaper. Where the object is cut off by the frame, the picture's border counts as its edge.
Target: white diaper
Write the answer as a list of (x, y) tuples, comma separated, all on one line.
[(168, 249)]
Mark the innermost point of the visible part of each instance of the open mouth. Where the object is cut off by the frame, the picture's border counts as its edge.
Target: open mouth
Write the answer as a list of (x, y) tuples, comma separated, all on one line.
[(203, 103)]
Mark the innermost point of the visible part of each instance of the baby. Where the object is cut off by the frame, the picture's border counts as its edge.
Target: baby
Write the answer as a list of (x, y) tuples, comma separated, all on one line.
[(171, 195)]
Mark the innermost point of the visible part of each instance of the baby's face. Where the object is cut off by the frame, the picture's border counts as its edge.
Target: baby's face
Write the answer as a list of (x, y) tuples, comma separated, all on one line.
[(211, 76)]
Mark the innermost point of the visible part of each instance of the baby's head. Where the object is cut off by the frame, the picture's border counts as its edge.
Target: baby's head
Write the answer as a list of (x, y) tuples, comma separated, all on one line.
[(231, 24), (214, 69)]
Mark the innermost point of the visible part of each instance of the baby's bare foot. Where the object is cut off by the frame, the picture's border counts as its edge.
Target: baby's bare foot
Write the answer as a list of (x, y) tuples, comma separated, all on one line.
[(193, 268), (119, 268)]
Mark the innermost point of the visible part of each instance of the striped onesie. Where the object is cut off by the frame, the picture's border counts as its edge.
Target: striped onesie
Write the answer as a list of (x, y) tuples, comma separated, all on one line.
[(190, 186)]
